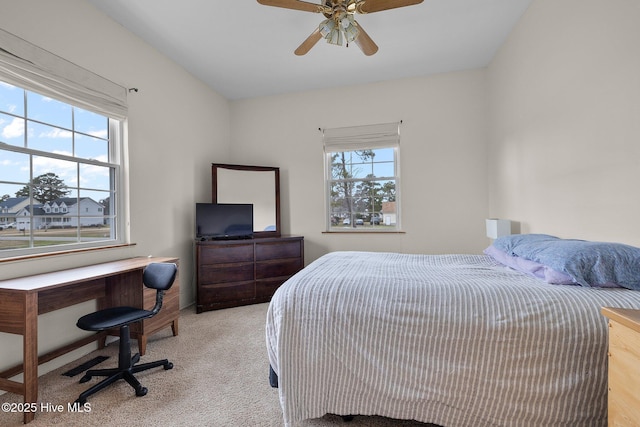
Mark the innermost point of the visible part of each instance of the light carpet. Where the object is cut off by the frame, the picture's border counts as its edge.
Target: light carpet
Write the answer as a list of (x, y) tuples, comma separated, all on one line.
[(220, 378)]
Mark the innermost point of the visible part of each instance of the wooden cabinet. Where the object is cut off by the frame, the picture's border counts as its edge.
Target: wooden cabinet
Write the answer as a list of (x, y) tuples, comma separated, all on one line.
[(624, 366), (239, 272)]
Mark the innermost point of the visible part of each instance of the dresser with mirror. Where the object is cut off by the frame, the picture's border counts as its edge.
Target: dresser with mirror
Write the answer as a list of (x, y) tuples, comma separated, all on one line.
[(231, 273)]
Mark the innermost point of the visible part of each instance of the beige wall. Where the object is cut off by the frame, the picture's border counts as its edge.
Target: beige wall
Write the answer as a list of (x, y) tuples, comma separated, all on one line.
[(564, 131), (177, 125), (443, 160)]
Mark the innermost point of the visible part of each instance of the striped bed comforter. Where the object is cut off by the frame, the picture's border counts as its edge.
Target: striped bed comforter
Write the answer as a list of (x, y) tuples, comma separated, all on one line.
[(455, 340)]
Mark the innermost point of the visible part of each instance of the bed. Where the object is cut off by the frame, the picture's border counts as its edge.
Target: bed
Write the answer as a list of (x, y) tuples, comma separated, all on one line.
[(454, 340)]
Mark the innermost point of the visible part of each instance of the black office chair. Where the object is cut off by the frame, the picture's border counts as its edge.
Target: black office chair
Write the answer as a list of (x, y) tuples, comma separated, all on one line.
[(159, 276)]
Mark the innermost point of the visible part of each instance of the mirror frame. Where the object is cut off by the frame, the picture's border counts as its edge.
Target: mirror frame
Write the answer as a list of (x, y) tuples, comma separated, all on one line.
[(276, 170)]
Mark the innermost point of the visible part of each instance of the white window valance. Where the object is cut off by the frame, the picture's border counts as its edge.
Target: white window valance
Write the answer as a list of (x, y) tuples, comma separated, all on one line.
[(361, 137), (30, 67)]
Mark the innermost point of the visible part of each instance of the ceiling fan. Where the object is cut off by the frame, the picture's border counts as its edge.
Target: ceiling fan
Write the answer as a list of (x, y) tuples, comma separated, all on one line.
[(340, 23)]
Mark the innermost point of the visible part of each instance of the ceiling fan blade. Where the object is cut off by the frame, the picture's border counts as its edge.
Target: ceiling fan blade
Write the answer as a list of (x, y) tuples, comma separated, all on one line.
[(370, 6), (294, 4), (308, 43), (365, 43)]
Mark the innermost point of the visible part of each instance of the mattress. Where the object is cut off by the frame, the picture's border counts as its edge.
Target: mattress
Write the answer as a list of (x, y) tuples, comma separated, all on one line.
[(455, 340)]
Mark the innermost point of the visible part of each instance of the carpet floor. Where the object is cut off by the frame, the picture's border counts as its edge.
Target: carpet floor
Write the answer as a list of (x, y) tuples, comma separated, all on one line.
[(220, 378)]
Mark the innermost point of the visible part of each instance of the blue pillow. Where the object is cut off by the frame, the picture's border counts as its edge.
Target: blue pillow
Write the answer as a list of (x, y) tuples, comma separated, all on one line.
[(595, 264), (507, 243)]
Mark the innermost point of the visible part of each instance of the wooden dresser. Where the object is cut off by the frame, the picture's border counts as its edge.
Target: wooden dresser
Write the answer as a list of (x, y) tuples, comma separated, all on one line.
[(231, 273), (624, 366)]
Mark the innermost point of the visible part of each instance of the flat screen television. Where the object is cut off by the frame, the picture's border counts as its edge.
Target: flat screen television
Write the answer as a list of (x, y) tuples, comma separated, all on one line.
[(224, 221)]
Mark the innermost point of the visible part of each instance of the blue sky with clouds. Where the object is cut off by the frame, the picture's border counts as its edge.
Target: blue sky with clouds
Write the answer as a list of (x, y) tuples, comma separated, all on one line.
[(50, 126)]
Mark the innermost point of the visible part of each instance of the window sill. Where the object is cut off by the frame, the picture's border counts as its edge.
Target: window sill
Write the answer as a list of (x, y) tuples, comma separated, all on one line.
[(58, 253), (356, 231)]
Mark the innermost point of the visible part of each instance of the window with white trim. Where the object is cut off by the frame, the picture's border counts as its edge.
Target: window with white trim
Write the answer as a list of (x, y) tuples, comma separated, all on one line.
[(362, 178), (61, 145)]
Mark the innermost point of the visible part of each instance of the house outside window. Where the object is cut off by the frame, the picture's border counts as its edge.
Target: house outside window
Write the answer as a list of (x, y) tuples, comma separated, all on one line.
[(61, 150), (362, 178)]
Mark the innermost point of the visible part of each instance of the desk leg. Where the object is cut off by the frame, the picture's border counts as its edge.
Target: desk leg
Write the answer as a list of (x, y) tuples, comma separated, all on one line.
[(102, 342), (30, 352), (142, 338), (142, 344), (174, 327)]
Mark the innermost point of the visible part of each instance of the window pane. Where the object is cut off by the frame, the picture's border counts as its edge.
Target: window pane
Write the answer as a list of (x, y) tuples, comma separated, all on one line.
[(90, 123), (14, 168), (95, 230), (89, 147), (93, 224), (11, 99), (381, 170), (361, 170), (384, 155), (95, 177), (109, 215), (47, 110), (91, 217), (53, 178), (10, 205), (11, 130), (12, 238), (90, 212), (55, 230), (50, 139)]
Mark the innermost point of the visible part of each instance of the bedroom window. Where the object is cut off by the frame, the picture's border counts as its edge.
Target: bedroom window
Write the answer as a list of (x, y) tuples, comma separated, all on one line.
[(61, 145), (362, 178)]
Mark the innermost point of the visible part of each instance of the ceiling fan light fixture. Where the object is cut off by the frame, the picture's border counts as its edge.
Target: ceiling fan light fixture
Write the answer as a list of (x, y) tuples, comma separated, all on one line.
[(349, 28), (326, 27), (346, 20), (351, 34), (336, 29), (335, 37)]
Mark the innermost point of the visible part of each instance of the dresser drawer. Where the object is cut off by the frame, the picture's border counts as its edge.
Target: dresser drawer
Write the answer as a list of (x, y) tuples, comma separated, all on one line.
[(228, 273), (278, 268), (222, 254), (278, 250), (223, 292), (265, 288)]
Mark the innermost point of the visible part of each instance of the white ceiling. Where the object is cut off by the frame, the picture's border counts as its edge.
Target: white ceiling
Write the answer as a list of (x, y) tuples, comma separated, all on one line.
[(243, 49)]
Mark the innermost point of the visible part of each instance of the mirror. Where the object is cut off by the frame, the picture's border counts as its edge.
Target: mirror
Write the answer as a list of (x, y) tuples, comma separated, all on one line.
[(258, 185)]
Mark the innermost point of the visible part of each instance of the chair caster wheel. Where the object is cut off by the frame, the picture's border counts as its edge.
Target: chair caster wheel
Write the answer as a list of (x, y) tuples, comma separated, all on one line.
[(168, 366), (81, 402), (141, 391), (85, 379)]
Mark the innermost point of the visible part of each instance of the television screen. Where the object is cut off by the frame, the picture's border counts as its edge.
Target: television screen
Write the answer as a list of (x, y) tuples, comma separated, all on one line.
[(224, 220)]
